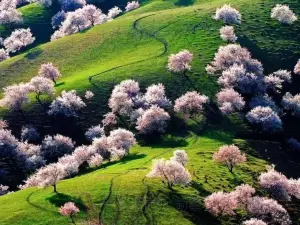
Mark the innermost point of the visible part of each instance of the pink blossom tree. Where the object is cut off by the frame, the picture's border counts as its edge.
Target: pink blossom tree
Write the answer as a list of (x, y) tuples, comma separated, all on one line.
[(114, 12), (69, 164), (297, 67), (29, 133), (15, 96), (42, 86), (71, 5), (265, 118), (155, 95), (180, 156), (92, 14), (10, 16), (3, 55), (283, 14), (228, 14), (48, 70), (153, 120), (68, 104), (263, 100), (268, 210), (69, 209), (56, 146), (230, 101), (170, 171), (242, 194), (291, 103), (232, 54), (46, 176), (254, 221), (58, 18), (96, 160), (191, 104), (227, 34), (279, 185), (88, 95), (229, 155), (94, 132), (110, 119), (221, 204), (180, 62), (121, 139), (18, 39), (4, 189), (132, 5)]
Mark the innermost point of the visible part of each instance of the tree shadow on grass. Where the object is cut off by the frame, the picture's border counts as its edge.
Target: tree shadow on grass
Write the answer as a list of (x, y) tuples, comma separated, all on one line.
[(168, 141), (123, 161), (190, 207), (184, 2), (33, 54), (60, 199)]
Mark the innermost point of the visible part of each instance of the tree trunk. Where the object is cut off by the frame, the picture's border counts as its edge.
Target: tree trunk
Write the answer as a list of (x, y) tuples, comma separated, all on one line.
[(73, 221), (54, 186)]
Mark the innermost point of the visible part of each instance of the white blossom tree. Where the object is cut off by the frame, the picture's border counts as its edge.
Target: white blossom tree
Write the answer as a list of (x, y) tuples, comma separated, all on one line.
[(19, 38), (228, 14), (283, 14), (227, 34), (68, 104), (48, 70)]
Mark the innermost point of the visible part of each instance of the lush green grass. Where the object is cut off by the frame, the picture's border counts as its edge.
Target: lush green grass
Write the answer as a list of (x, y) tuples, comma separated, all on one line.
[(139, 52), (184, 206)]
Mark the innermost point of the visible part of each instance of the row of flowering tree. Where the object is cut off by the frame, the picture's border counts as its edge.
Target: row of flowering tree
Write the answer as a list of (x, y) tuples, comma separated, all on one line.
[(263, 210)]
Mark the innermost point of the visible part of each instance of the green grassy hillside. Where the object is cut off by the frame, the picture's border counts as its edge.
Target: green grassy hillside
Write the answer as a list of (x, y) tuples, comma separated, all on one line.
[(136, 45)]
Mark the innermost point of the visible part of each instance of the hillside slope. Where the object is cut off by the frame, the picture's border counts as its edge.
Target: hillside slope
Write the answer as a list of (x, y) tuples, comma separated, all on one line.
[(136, 45)]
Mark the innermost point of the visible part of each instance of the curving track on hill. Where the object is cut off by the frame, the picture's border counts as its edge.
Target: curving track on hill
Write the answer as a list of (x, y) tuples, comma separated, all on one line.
[(142, 32)]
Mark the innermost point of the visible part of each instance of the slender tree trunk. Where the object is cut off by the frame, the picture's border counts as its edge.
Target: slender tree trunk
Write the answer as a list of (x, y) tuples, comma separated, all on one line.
[(54, 186), (72, 219), (54, 81)]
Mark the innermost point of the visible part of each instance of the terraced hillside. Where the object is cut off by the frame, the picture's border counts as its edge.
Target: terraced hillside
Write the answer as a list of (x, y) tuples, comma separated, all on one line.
[(136, 45)]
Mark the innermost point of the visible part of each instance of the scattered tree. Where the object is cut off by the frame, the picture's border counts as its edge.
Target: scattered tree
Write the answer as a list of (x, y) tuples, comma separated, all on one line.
[(227, 34), (15, 96), (68, 104), (4, 189), (229, 155), (265, 118), (42, 86), (170, 171), (54, 147), (49, 71), (96, 160), (180, 156), (29, 133), (230, 101), (155, 95), (113, 12), (291, 103), (19, 38), (180, 62), (254, 221), (94, 132), (132, 5), (58, 18), (268, 210), (3, 55), (191, 104), (283, 14), (297, 68), (89, 95), (69, 209), (228, 14), (153, 120), (221, 204)]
